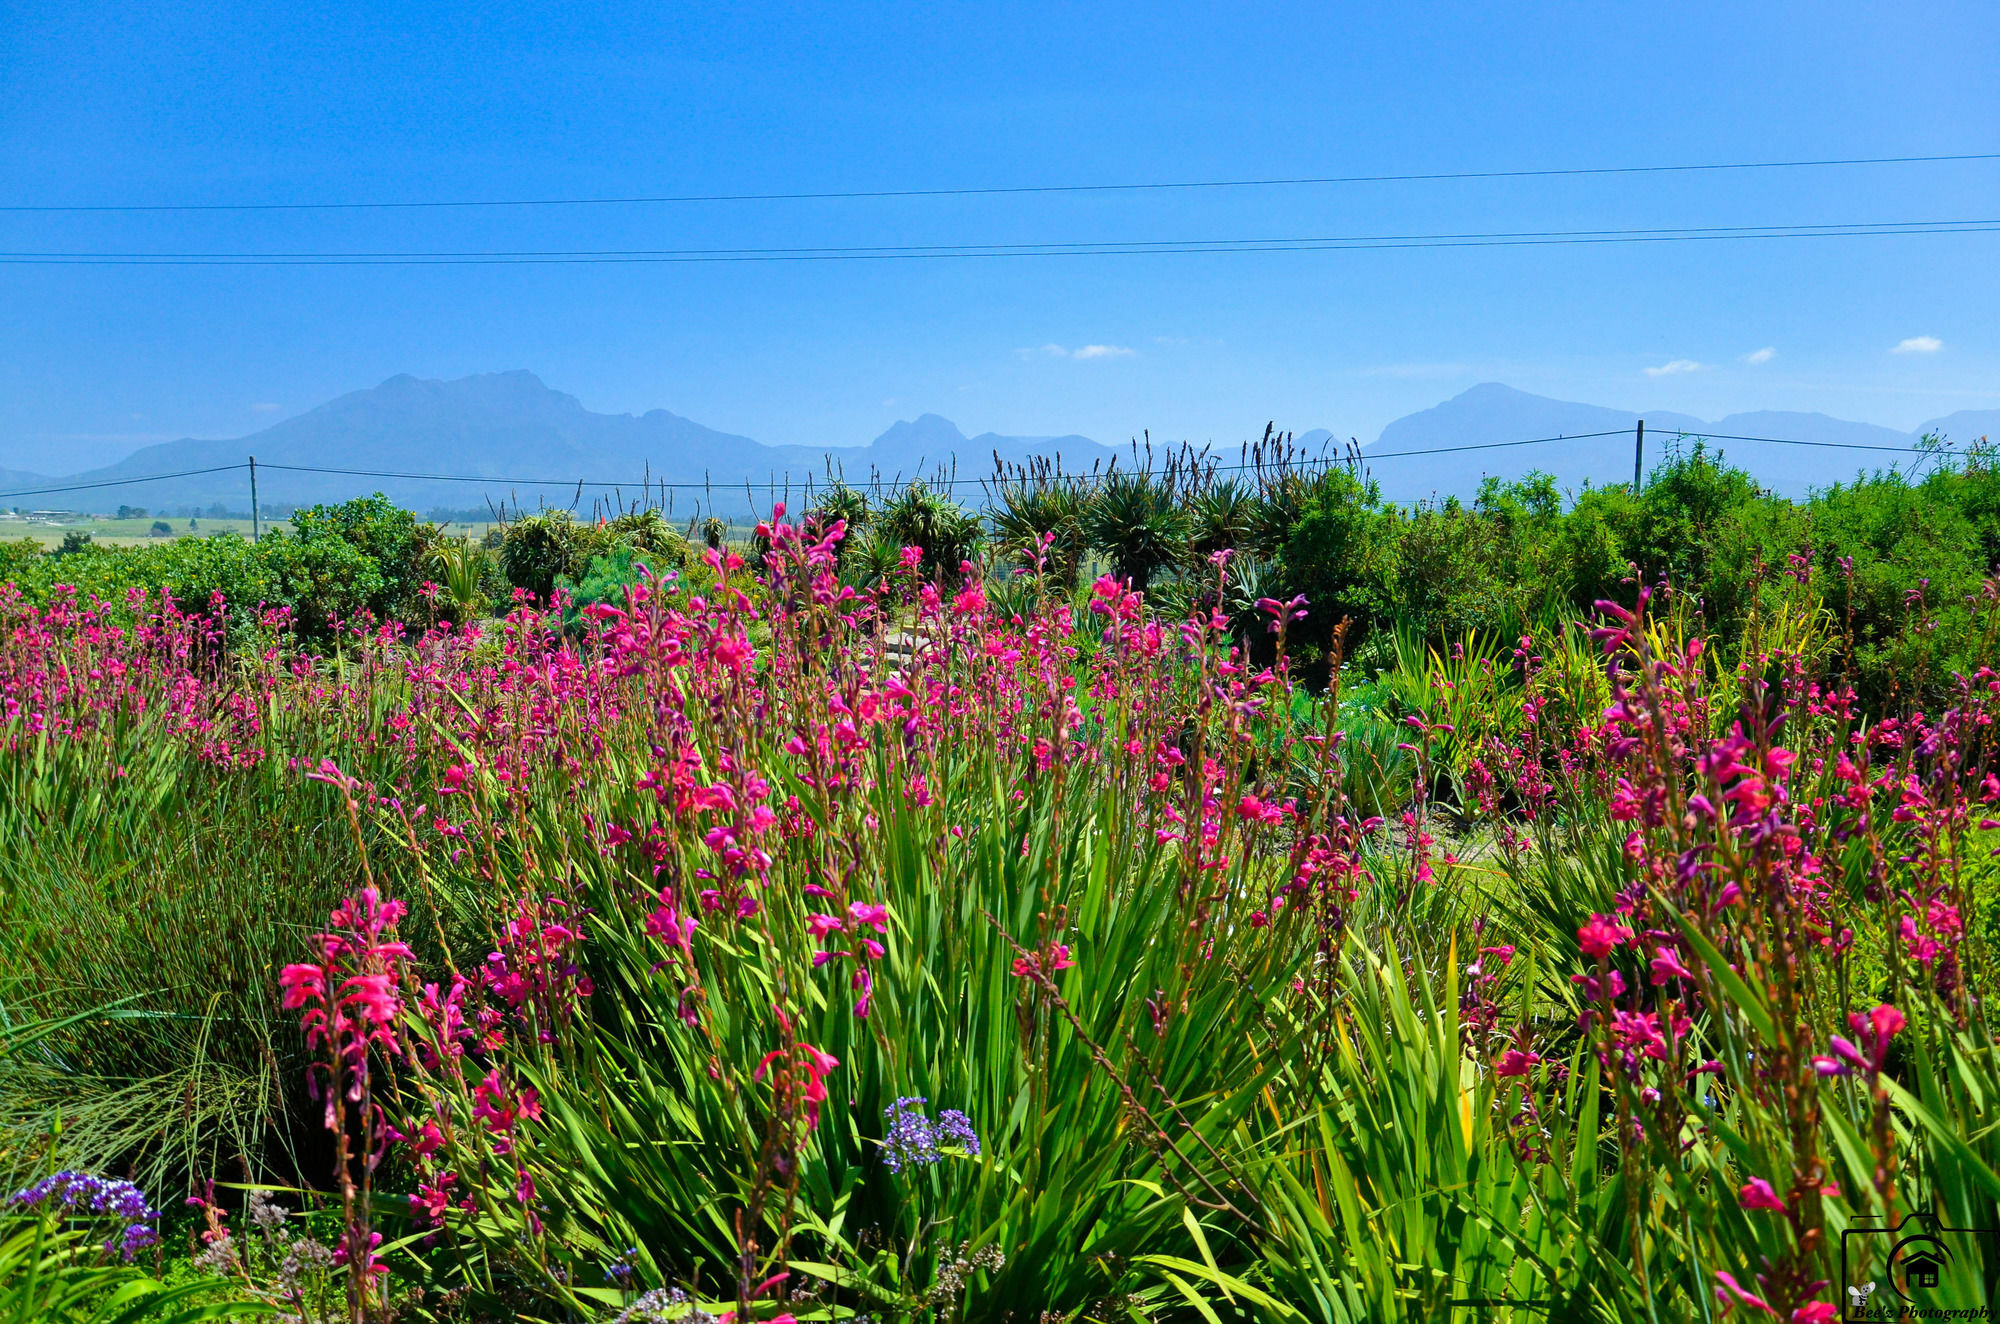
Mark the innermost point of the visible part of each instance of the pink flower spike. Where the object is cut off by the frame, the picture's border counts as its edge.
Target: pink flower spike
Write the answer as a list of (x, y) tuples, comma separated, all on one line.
[(1757, 1194), (1731, 1294)]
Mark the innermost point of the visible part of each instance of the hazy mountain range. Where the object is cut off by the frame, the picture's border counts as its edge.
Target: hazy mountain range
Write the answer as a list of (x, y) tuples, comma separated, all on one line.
[(505, 429)]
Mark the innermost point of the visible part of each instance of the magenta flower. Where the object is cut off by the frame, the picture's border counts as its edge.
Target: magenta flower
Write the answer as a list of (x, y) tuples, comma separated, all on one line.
[(1757, 1194), (1598, 937), (1667, 965), (875, 916), (1731, 1294)]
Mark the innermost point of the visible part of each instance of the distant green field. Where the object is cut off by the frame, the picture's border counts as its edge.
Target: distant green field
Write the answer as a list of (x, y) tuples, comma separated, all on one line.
[(127, 532)]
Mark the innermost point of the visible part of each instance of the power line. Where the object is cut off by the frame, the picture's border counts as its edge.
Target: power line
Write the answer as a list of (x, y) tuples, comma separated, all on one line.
[(1791, 441), (1117, 248), (1002, 190), (1493, 445), (1364, 456), (122, 482)]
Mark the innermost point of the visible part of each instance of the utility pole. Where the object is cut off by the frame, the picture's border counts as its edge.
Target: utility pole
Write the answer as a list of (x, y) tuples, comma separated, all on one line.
[(1638, 458), (255, 529)]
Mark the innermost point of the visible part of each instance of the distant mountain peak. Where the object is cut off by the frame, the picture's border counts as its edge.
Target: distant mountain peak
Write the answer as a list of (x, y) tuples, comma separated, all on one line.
[(511, 425)]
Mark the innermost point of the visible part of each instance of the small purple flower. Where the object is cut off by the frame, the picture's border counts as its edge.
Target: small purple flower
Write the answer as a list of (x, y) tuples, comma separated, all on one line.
[(623, 1268), (955, 1128), (82, 1194), (914, 1139), (910, 1138)]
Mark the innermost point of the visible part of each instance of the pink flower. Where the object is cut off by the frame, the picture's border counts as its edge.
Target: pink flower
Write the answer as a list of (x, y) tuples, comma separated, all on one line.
[(1598, 937), (1876, 1029), (815, 1065), (1816, 1312), (1667, 965), (1731, 1294), (1516, 1063), (874, 916), (1757, 1194)]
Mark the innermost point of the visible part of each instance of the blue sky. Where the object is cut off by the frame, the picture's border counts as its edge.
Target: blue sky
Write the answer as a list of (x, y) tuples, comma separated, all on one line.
[(309, 102)]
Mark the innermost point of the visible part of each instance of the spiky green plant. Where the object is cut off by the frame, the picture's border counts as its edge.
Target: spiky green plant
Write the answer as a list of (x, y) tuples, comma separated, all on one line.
[(922, 517), (1136, 523), (1039, 521)]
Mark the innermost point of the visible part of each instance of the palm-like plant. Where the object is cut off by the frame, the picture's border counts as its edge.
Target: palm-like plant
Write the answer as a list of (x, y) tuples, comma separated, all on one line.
[(1224, 518), (946, 532), (1037, 513), (461, 565), (648, 532), (1136, 523)]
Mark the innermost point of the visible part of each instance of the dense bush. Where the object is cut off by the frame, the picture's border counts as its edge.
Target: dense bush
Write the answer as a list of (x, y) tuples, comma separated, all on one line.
[(540, 552), (945, 532), (1903, 560), (335, 564)]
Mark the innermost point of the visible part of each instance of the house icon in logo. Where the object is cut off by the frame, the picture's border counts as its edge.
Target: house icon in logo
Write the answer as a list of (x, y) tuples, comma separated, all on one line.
[(1923, 1269)]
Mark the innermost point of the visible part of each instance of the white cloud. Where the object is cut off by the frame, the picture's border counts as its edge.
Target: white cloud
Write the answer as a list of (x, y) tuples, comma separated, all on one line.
[(265, 407), (1757, 356), (1677, 366), (1053, 351), (1918, 345)]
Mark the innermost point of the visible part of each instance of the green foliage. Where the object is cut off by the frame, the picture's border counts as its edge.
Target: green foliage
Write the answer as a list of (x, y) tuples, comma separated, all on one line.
[(465, 571), (1224, 518), (1138, 524), (169, 894), (1042, 516), (396, 546), (840, 502), (552, 545), (921, 517), (606, 582), (1341, 556), (50, 1274), (18, 558)]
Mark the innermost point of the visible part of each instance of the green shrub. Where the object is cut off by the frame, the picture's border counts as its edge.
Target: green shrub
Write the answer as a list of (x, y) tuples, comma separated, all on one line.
[(1341, 554), (391, 539), (536, 551), (946, 532), (1038, 509), (1138, 524)]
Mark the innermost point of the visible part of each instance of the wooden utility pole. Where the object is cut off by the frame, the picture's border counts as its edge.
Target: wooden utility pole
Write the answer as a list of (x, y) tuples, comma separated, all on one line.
[(1638, 457), (255, 529)]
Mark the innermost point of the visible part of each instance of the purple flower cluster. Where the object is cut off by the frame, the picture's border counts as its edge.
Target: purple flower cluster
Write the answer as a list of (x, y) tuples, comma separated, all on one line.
[(81, 1193), (914, 1139)]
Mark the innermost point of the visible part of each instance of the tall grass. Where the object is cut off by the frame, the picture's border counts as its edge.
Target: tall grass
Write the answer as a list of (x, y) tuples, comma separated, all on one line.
[(642, 969)]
